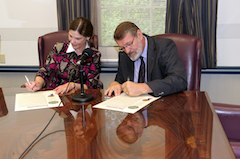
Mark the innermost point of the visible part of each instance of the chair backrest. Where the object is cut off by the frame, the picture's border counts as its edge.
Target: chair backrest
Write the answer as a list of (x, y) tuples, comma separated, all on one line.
[(47, 41), (190, 50)]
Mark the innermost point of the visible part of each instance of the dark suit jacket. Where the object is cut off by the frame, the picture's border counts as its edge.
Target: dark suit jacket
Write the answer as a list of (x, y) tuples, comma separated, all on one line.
[(165, 70)]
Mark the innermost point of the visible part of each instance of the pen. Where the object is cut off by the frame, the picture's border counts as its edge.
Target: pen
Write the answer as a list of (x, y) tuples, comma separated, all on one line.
[(128, 79), (27, 80)]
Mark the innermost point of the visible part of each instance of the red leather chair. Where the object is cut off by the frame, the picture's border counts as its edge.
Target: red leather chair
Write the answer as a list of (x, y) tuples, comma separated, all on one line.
[(47, 41), (229, 115), (189, 50)]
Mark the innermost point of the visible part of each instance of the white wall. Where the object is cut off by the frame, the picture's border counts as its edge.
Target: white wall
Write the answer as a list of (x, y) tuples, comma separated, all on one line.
[(21, 23), (222, 88), (228, 34)]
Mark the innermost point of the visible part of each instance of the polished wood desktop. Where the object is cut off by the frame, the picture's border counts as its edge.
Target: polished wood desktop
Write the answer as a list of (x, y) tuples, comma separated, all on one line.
[(178, 126)]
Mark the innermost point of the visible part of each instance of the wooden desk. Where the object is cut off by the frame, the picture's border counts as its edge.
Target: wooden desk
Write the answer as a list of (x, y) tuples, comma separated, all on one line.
[(179, 126)]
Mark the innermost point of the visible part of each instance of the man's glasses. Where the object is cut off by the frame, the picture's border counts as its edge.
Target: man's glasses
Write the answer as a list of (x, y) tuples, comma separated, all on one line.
[(127, 45)]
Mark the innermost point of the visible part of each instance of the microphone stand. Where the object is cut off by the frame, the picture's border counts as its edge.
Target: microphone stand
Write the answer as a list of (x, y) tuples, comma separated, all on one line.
[(82, 97)]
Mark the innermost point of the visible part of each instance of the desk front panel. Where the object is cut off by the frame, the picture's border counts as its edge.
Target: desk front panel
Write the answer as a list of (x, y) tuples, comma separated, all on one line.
[(182, 125)]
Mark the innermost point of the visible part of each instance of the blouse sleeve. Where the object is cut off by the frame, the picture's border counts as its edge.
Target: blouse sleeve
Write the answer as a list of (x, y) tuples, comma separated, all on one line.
[(46, 71)]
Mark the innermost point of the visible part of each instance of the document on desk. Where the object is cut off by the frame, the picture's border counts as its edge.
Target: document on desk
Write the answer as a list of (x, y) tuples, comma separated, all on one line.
[(125, 103), (36, 100)]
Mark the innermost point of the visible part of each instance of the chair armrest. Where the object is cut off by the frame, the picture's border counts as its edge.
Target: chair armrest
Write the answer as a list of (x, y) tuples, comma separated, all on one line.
[(229, 115)]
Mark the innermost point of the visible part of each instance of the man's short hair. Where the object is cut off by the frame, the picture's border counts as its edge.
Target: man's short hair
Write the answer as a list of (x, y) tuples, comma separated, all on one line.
[(124, 28)]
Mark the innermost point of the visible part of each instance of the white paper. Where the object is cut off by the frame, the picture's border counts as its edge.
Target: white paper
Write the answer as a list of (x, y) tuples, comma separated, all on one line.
[(36, 100), (125, 103)]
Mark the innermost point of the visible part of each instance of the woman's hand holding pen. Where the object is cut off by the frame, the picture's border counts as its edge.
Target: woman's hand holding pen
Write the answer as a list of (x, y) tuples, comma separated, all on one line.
[(34, 85)]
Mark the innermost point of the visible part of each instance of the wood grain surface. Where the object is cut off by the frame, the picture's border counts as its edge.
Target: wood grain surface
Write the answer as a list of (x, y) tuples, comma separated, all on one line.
[(178, 126)]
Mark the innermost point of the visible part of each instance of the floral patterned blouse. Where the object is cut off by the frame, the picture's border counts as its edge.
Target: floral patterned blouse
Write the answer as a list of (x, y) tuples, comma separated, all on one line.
[(59, 64)]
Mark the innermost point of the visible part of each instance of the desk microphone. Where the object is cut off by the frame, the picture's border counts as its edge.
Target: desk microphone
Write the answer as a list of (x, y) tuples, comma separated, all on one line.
[(87, 53)]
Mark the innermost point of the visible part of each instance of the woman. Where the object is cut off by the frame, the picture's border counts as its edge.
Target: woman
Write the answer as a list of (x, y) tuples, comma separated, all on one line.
[(61, 62)]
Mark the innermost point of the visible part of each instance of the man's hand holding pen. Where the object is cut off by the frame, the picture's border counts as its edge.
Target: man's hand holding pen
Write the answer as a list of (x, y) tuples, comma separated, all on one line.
[(134, 89)]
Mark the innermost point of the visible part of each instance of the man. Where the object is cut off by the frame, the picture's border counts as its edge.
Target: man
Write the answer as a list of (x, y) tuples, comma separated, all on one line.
[(164, 72)]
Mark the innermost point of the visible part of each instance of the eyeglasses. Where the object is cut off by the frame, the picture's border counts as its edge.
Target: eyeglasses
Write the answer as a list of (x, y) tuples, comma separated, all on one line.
[(127, 45)]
